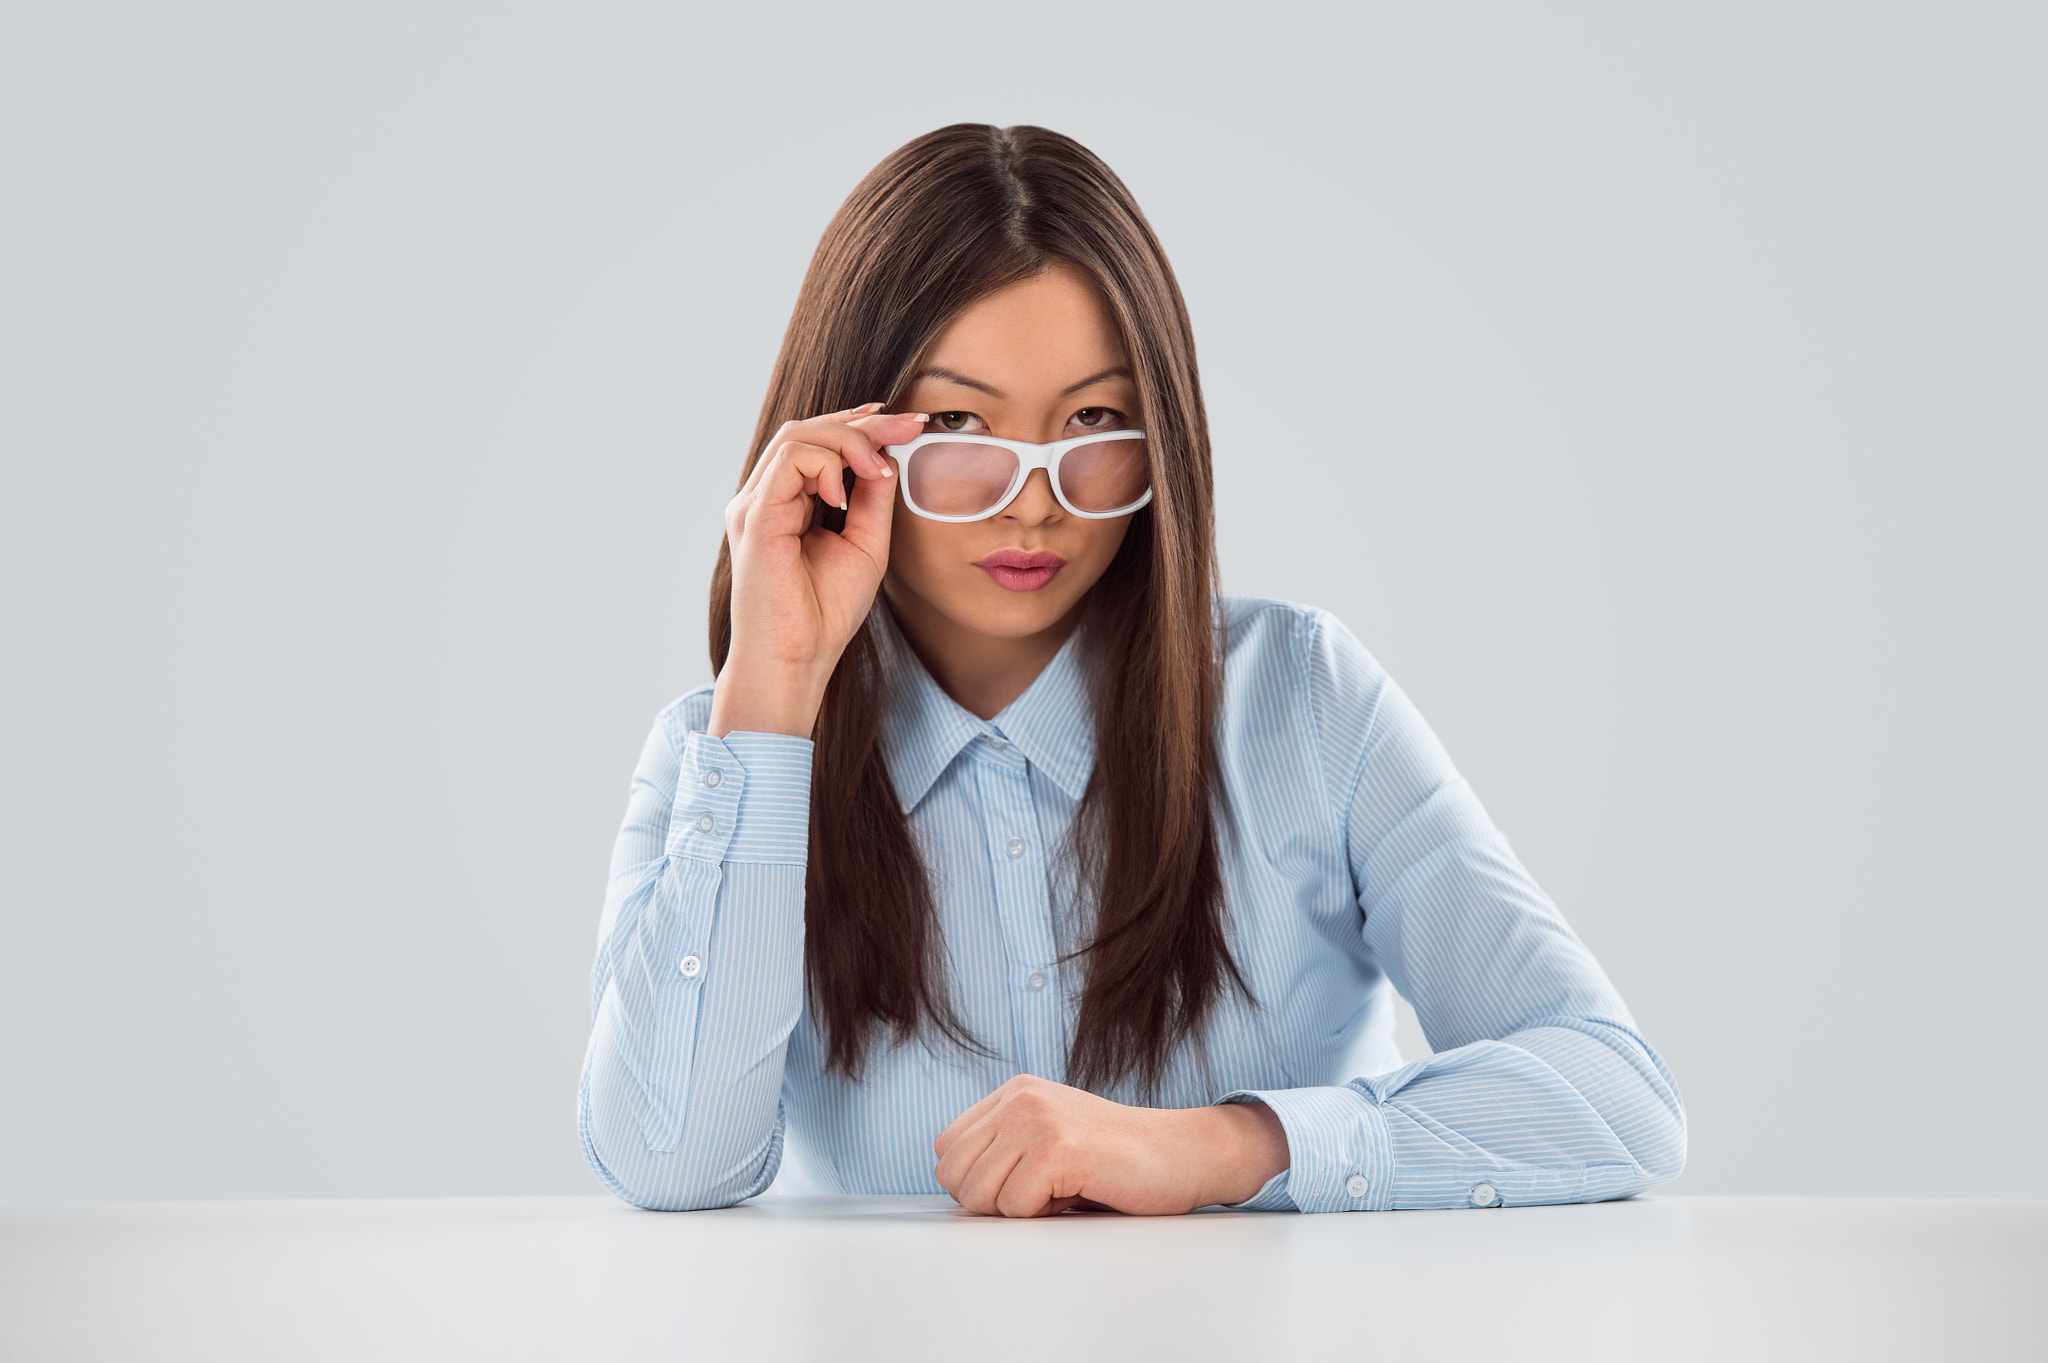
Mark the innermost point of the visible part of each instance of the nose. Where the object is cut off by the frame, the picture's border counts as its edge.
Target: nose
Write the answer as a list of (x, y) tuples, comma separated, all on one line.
[(1035, 503)]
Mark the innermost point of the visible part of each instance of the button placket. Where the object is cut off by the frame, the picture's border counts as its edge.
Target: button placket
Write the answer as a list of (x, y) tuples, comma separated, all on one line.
[(1023, 899)]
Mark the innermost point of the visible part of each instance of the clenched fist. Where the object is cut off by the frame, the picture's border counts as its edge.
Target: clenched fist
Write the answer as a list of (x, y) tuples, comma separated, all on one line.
[(1037, 1148)]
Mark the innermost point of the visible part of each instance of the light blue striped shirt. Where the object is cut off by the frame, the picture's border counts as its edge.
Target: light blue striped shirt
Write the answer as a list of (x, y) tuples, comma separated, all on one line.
[(1354, 857)]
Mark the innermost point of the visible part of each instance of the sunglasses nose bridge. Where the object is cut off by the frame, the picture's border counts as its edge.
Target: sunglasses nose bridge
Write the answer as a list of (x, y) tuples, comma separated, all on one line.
[(1034, 501)]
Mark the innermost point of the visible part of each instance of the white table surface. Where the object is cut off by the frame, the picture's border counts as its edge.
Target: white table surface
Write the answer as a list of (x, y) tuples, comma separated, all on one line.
[(910, 1278)]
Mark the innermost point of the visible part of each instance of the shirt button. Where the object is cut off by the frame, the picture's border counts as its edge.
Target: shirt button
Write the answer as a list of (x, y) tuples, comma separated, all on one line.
[(998, 743), (706, 824), (1484, 1195), (1015, 847), (1036, 980), (1356, 1185), (690, 966), (714, 778)]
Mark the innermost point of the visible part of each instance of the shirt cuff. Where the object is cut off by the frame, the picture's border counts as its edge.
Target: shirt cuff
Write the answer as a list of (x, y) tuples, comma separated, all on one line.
[(745, 797), (1339, 1158)]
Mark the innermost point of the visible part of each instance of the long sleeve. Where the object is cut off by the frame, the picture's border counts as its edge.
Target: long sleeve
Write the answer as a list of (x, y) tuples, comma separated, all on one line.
[(1541, 1089), (699, 974)]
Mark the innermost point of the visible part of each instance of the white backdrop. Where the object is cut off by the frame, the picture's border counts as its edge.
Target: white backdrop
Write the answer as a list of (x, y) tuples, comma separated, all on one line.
[(1656, 390)]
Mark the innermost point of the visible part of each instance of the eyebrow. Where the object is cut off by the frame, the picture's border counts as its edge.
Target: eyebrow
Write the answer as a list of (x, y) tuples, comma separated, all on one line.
[(954, 376), (1113, 372)]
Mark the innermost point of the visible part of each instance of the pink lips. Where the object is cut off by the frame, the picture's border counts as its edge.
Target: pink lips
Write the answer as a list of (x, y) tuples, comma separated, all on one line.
[(1016, 571)]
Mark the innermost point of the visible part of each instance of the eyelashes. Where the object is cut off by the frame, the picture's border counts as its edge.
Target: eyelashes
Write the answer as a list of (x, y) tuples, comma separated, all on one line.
[(1097, 418), (969, 423)]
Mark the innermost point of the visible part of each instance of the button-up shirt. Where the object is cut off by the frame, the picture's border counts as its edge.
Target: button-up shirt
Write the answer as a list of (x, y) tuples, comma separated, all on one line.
[(1355, 859)]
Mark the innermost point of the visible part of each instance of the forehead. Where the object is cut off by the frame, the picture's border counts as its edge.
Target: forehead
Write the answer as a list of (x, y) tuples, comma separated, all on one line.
[(1044, 330)]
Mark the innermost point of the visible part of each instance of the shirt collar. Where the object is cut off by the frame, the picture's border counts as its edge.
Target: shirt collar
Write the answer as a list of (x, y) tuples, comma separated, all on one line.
[(923, 729)]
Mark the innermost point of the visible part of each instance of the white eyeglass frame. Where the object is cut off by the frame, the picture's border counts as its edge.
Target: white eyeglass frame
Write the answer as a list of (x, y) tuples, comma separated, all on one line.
[(1029, 457)]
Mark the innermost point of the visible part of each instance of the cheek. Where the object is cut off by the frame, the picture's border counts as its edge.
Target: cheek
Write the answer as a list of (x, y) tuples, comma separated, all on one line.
[(1102, 540), (920, 550)]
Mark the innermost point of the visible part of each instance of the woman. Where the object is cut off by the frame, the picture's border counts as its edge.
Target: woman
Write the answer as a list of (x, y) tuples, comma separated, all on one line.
[(1004, 856)]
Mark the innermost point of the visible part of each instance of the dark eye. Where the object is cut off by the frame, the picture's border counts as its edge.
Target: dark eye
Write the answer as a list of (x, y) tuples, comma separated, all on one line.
[(1097, 419), (953, 421)]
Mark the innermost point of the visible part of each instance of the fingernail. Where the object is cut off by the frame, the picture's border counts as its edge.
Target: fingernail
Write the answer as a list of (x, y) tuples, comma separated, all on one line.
[(912, 416), (869, 407)]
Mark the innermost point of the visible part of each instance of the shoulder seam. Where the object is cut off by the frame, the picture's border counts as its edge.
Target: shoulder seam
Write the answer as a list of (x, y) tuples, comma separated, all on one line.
[(1342, 794), (1270, 603), (1365, 732), (1333, 811)]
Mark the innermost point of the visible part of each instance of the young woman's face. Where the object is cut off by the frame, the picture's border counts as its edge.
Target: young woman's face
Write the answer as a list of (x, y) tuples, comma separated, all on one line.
[(1038, 361)]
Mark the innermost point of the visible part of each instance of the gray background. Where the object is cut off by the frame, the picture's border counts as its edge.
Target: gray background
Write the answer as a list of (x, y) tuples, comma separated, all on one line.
[(1656, 390)]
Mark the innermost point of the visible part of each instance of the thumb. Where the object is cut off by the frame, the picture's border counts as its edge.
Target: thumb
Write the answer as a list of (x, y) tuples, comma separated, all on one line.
[(870, 512)]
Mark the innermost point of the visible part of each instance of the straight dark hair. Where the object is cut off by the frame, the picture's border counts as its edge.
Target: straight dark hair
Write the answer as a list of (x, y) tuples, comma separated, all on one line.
[(943, 221)]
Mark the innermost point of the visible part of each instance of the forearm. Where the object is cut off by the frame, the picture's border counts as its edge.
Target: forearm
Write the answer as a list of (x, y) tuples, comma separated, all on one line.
[(699, 977), (679, 1103), (1574, 1111)]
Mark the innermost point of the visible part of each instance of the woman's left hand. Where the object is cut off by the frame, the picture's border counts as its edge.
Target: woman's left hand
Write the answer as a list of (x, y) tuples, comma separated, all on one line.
[(1037, 1148)]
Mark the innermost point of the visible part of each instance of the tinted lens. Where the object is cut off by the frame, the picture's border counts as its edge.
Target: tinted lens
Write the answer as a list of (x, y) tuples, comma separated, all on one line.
[(960, 477), (1105, 475)]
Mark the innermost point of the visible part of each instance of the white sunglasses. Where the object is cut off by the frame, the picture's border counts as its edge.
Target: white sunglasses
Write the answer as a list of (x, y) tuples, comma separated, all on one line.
[(949, 477)]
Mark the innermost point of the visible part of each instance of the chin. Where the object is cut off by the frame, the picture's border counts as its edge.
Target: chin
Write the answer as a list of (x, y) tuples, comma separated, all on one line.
[(1012, 615)]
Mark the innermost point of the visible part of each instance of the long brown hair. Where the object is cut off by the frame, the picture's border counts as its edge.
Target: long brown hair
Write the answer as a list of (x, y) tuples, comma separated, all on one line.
[(943, 221)]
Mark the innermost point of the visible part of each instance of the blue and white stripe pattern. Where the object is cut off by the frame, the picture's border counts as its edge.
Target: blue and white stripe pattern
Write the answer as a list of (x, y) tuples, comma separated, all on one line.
[(1355, 857)]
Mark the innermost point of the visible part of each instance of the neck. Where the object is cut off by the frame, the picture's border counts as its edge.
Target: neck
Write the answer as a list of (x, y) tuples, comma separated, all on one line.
[(983, 673)]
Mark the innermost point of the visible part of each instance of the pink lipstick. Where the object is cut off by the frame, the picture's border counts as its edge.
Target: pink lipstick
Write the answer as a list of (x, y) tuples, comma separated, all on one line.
[(1016, 571)]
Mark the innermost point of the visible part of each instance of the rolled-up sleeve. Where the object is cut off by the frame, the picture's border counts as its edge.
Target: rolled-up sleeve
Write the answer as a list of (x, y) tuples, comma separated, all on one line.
[(1540, 1088), (698, 981)]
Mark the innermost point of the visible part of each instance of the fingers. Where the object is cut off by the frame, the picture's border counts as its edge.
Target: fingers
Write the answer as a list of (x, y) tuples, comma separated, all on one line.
[(985, 1186), (798, 468), (896, 428), (1018, 1177), (1032, 1189), (856, 435), (966, 1147), (1014, 1153), (962, 1122), (810, 458)]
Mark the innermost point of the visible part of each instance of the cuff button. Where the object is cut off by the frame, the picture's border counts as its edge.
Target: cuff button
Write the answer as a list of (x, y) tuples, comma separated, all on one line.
[(1356, 1185), (1484, 1195)]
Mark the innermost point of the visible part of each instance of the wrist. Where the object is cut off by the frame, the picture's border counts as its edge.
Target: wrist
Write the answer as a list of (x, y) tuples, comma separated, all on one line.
[(766, 698), (1244, 1146)]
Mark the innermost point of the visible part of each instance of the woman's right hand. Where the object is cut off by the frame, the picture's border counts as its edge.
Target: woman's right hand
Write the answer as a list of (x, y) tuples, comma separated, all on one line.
[(799, 591)]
